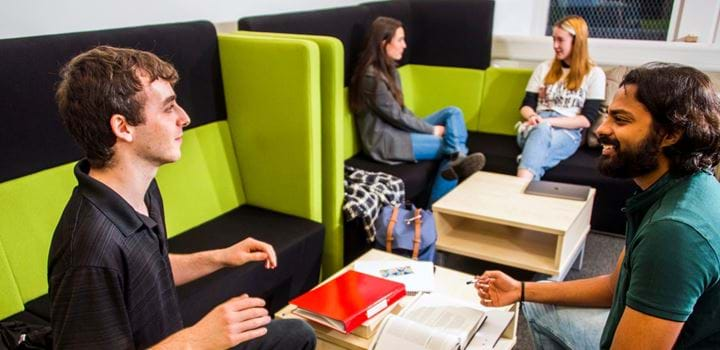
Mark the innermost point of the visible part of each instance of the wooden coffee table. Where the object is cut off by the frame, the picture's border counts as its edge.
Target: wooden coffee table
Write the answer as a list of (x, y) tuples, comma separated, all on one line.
[(447, 281), (488, 217)]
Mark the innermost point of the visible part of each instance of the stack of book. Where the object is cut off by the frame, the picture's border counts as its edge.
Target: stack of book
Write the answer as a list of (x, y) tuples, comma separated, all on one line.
[(353, 302)]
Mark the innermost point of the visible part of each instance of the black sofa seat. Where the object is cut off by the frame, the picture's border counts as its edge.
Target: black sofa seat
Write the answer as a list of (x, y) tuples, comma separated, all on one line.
[(27, 317), (298, 243)]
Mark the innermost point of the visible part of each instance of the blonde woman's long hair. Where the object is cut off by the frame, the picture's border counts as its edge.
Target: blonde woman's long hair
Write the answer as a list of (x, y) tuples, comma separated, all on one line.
[(580, 63)]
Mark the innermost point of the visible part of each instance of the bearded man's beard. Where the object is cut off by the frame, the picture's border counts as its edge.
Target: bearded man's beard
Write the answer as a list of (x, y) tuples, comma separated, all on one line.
[(631, 162)]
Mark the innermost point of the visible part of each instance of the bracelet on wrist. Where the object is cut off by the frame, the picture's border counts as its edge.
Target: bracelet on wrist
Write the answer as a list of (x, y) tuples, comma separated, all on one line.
[(522, 292)]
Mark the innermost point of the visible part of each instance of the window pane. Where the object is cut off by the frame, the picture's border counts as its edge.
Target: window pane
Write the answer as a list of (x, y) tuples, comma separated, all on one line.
[(619, 19)]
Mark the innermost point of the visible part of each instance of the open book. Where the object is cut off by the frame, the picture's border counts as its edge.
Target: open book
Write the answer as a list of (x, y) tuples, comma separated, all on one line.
[(432, 321)]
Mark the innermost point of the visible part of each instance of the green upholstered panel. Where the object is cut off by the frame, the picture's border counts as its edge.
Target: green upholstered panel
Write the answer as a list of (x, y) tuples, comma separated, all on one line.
[(502, 95), (30, 208), (10, 300), (272, 92), (204, 183), (429, 88), (332, 106), (351, 142)]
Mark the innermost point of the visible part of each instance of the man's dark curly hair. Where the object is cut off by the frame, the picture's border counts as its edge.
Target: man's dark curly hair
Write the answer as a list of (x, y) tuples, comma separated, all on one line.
[(682, 100), (102, 82)]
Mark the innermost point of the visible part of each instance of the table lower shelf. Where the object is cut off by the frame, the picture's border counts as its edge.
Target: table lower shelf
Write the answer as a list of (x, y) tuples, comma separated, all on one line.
[(506, 245)]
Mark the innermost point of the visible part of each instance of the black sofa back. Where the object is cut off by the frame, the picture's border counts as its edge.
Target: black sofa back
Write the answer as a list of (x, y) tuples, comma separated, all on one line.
[(33, 137), (450, 33)]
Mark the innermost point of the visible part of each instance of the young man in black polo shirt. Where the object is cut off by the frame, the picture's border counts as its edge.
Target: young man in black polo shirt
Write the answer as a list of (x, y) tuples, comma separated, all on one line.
[(112, 281)]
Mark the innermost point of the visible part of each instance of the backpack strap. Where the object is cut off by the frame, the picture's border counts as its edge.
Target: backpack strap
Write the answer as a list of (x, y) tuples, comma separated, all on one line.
[(418, 227), (390, 228)]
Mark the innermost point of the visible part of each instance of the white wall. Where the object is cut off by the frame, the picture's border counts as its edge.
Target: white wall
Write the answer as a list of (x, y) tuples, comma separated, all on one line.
[(518, 30), (19, 18), (698, 18), (520, 17)]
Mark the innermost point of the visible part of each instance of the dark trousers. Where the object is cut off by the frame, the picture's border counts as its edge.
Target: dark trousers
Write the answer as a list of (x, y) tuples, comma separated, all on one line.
[(283, 334)]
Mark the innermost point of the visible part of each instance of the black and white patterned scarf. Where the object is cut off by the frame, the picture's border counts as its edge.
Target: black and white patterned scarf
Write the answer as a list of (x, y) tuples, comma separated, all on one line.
[(366, 193)]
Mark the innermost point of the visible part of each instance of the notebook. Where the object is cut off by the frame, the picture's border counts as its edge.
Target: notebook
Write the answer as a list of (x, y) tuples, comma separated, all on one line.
[(558, 190)]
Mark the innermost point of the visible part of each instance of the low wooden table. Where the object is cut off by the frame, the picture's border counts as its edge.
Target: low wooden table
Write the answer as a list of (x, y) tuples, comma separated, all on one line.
[(448, 282), (488, 217)]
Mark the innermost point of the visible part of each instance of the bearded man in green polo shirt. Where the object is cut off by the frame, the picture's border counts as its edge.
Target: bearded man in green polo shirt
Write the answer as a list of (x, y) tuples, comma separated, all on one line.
[(663, 131)]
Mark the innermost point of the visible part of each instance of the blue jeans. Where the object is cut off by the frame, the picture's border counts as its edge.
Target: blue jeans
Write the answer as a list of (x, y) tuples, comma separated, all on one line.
[(544, 146), (428, 146), (560, 327)]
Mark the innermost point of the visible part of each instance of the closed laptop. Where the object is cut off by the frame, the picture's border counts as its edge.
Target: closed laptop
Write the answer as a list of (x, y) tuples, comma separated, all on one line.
[(558, 190)]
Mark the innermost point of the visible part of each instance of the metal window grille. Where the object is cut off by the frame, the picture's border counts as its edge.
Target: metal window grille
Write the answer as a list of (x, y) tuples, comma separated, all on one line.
[(618, 19)]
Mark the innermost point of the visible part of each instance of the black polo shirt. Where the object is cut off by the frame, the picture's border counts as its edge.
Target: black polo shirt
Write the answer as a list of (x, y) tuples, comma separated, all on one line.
[(110, 279)]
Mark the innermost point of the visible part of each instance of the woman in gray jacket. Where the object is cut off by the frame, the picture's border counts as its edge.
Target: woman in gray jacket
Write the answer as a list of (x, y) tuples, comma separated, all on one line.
[(389, 131)]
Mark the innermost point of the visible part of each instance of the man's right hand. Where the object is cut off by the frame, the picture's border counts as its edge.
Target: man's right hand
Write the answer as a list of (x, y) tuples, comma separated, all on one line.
[(495, 288), (233, 322), (439, 130)]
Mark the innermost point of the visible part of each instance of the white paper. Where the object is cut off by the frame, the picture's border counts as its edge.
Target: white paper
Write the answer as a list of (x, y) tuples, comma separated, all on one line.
[(491, 330), (417, 276)]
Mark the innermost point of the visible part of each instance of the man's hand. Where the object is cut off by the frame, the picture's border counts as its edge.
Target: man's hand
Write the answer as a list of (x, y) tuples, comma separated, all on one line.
[(495, 288), (248, 250), (236, 321), (439, 130), (189, 267)]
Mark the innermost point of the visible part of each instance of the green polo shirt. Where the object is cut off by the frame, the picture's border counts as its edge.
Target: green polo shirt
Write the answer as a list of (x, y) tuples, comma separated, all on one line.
[(671, 268)]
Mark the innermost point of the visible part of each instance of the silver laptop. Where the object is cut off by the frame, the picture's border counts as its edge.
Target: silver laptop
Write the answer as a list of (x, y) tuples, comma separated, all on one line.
[(558, 190)]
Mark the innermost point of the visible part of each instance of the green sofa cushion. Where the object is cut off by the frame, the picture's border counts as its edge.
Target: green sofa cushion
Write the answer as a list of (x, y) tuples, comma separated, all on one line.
[(204, 183), (332, 104), (502, 95), (272, 92), (428, 89), (10, 300), (29, 216)]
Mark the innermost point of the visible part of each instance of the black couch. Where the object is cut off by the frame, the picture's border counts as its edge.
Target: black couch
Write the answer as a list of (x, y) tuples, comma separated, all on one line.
[(33, 140)]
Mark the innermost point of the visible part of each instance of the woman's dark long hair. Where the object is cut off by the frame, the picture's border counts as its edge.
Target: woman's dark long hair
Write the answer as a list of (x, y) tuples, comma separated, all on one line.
[(373, 55)]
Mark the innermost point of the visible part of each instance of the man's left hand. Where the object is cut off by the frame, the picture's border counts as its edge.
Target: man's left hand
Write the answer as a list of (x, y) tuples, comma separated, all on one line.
[(248, 250)]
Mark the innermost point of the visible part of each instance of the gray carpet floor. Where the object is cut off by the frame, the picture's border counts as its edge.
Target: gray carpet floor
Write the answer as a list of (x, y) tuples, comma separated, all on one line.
[(601, 253)]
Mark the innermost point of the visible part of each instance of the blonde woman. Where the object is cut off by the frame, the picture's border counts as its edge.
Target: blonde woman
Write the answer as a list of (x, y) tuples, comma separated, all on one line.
[(562, 97)]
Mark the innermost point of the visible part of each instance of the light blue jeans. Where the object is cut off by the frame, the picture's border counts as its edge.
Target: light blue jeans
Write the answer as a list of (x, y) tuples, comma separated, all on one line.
[(428, 146), (560, 327), (544, 146)]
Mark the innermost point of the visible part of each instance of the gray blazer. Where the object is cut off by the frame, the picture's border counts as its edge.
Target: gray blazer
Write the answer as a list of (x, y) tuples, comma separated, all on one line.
[(384, 126)]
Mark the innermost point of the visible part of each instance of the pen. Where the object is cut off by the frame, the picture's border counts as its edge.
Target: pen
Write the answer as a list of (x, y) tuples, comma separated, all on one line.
[(470, 281)]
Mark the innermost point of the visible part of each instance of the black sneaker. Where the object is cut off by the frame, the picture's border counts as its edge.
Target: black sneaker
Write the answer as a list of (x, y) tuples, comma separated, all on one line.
[(463, 167)]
